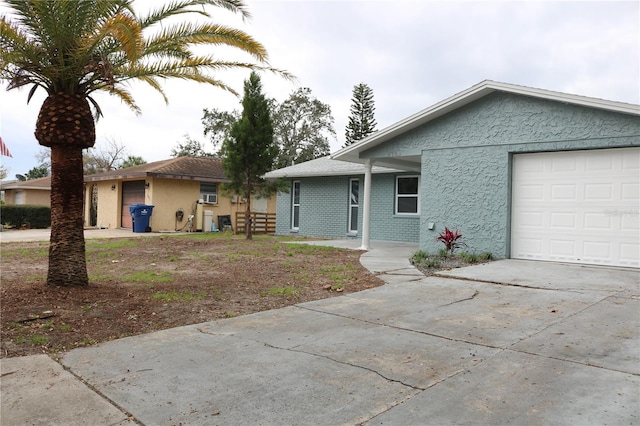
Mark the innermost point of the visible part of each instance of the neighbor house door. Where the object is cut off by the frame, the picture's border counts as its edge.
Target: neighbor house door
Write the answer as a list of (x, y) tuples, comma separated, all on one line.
[(132, 193)]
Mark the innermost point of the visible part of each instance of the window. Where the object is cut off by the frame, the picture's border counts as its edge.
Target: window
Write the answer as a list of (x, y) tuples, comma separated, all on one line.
[(354, 197), (407, 195), (19, 197), (295, 205), (209, 192)]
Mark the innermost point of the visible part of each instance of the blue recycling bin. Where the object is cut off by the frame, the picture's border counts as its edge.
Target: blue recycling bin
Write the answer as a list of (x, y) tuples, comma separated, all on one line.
[(140, 215)]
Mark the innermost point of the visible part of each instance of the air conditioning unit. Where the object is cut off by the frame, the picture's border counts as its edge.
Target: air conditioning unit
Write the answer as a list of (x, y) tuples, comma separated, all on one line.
[(211, 198), (234, 199)]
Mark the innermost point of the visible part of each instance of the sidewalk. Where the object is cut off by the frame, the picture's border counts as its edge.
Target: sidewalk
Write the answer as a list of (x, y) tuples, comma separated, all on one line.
[(24, 235)]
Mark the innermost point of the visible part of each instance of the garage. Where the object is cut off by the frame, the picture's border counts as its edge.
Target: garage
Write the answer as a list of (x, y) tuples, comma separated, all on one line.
[(577, 206)]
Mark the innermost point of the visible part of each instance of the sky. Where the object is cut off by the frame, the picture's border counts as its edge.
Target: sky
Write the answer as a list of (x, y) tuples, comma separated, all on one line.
[(412, 54)]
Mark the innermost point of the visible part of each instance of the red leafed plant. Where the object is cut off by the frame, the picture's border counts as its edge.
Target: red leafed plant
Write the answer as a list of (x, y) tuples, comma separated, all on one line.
[(451, 239)]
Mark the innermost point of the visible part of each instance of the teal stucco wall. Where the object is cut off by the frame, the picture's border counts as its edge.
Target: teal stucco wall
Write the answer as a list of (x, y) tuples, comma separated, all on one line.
[(467, 154)]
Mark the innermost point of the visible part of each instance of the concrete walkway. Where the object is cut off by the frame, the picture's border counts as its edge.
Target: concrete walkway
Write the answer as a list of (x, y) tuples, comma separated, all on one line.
[(25, 235), (510, 342)]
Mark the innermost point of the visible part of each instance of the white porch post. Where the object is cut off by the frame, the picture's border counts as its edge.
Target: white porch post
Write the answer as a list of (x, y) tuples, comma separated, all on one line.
[(366, 209)]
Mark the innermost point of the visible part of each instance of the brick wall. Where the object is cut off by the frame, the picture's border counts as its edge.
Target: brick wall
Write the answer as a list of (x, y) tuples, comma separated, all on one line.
[(324, 210)]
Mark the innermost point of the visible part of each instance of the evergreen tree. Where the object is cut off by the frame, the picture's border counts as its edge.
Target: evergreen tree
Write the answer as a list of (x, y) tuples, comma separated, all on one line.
[(249, 151), (361, 121)]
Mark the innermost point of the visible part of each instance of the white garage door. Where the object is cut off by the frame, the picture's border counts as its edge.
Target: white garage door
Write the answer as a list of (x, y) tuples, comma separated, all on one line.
[(577, 206)]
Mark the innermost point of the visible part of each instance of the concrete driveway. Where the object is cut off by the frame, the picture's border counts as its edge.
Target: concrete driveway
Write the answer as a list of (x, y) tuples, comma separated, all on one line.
[(23, 235), (510, 342)]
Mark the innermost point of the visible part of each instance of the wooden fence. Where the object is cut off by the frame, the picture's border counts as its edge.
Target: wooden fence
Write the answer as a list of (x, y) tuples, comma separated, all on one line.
[(261, 223)]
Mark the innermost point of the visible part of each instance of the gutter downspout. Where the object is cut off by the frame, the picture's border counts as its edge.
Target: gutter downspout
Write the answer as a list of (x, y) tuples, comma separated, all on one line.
[(366, 209)]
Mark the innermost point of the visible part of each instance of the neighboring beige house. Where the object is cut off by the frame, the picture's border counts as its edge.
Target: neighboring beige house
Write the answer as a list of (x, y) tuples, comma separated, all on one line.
[(33, 192), (177, 188)]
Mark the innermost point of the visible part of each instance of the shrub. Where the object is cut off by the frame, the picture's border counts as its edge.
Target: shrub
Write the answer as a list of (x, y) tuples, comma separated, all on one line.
[(485, 255), (450, 239), (432, 263), (469, 257), (29, 216), (418, 257)]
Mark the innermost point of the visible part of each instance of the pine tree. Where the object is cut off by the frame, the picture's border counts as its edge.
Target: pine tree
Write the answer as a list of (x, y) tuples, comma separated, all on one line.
[(249, 151), (361, 121)]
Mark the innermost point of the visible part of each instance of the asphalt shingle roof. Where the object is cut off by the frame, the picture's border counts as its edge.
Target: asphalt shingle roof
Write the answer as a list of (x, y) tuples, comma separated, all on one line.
[(208, 169), (40, 183)]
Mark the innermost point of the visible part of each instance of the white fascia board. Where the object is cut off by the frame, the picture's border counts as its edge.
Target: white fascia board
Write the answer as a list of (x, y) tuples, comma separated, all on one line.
[(621, 107), (275, 175), (38, 188)]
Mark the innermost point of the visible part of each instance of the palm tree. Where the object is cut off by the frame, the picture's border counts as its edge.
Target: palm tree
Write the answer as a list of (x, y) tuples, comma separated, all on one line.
[(73, 48)]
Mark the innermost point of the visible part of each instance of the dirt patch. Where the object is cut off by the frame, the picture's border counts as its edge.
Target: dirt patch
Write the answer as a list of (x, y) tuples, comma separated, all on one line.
[(146, 284)]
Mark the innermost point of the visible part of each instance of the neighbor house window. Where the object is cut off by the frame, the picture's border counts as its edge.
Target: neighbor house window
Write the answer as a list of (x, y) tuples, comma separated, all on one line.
[(407, 194), (209, 192), (19, 197), (295, 205)]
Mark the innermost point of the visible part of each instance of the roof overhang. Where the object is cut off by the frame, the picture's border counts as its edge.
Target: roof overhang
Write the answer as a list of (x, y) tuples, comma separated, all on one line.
[(323, 167), (144, 175), (24, 187)]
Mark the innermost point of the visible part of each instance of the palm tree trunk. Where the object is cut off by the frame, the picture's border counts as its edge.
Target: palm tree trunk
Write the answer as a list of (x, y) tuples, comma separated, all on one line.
[(67, 261), (65, 124)]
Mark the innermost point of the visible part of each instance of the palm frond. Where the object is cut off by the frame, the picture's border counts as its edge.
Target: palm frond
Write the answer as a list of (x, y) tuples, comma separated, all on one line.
[(97, 108), (181, 7), (31, 92), (125, 97), (187, 35), (81, 47), (151, 81), (124, 29)]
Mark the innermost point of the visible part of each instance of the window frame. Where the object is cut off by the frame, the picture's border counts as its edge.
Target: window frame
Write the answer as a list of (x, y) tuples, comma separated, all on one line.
[(398, 196), (353, 206), (19, 197), (205, 191), (295, 206)]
